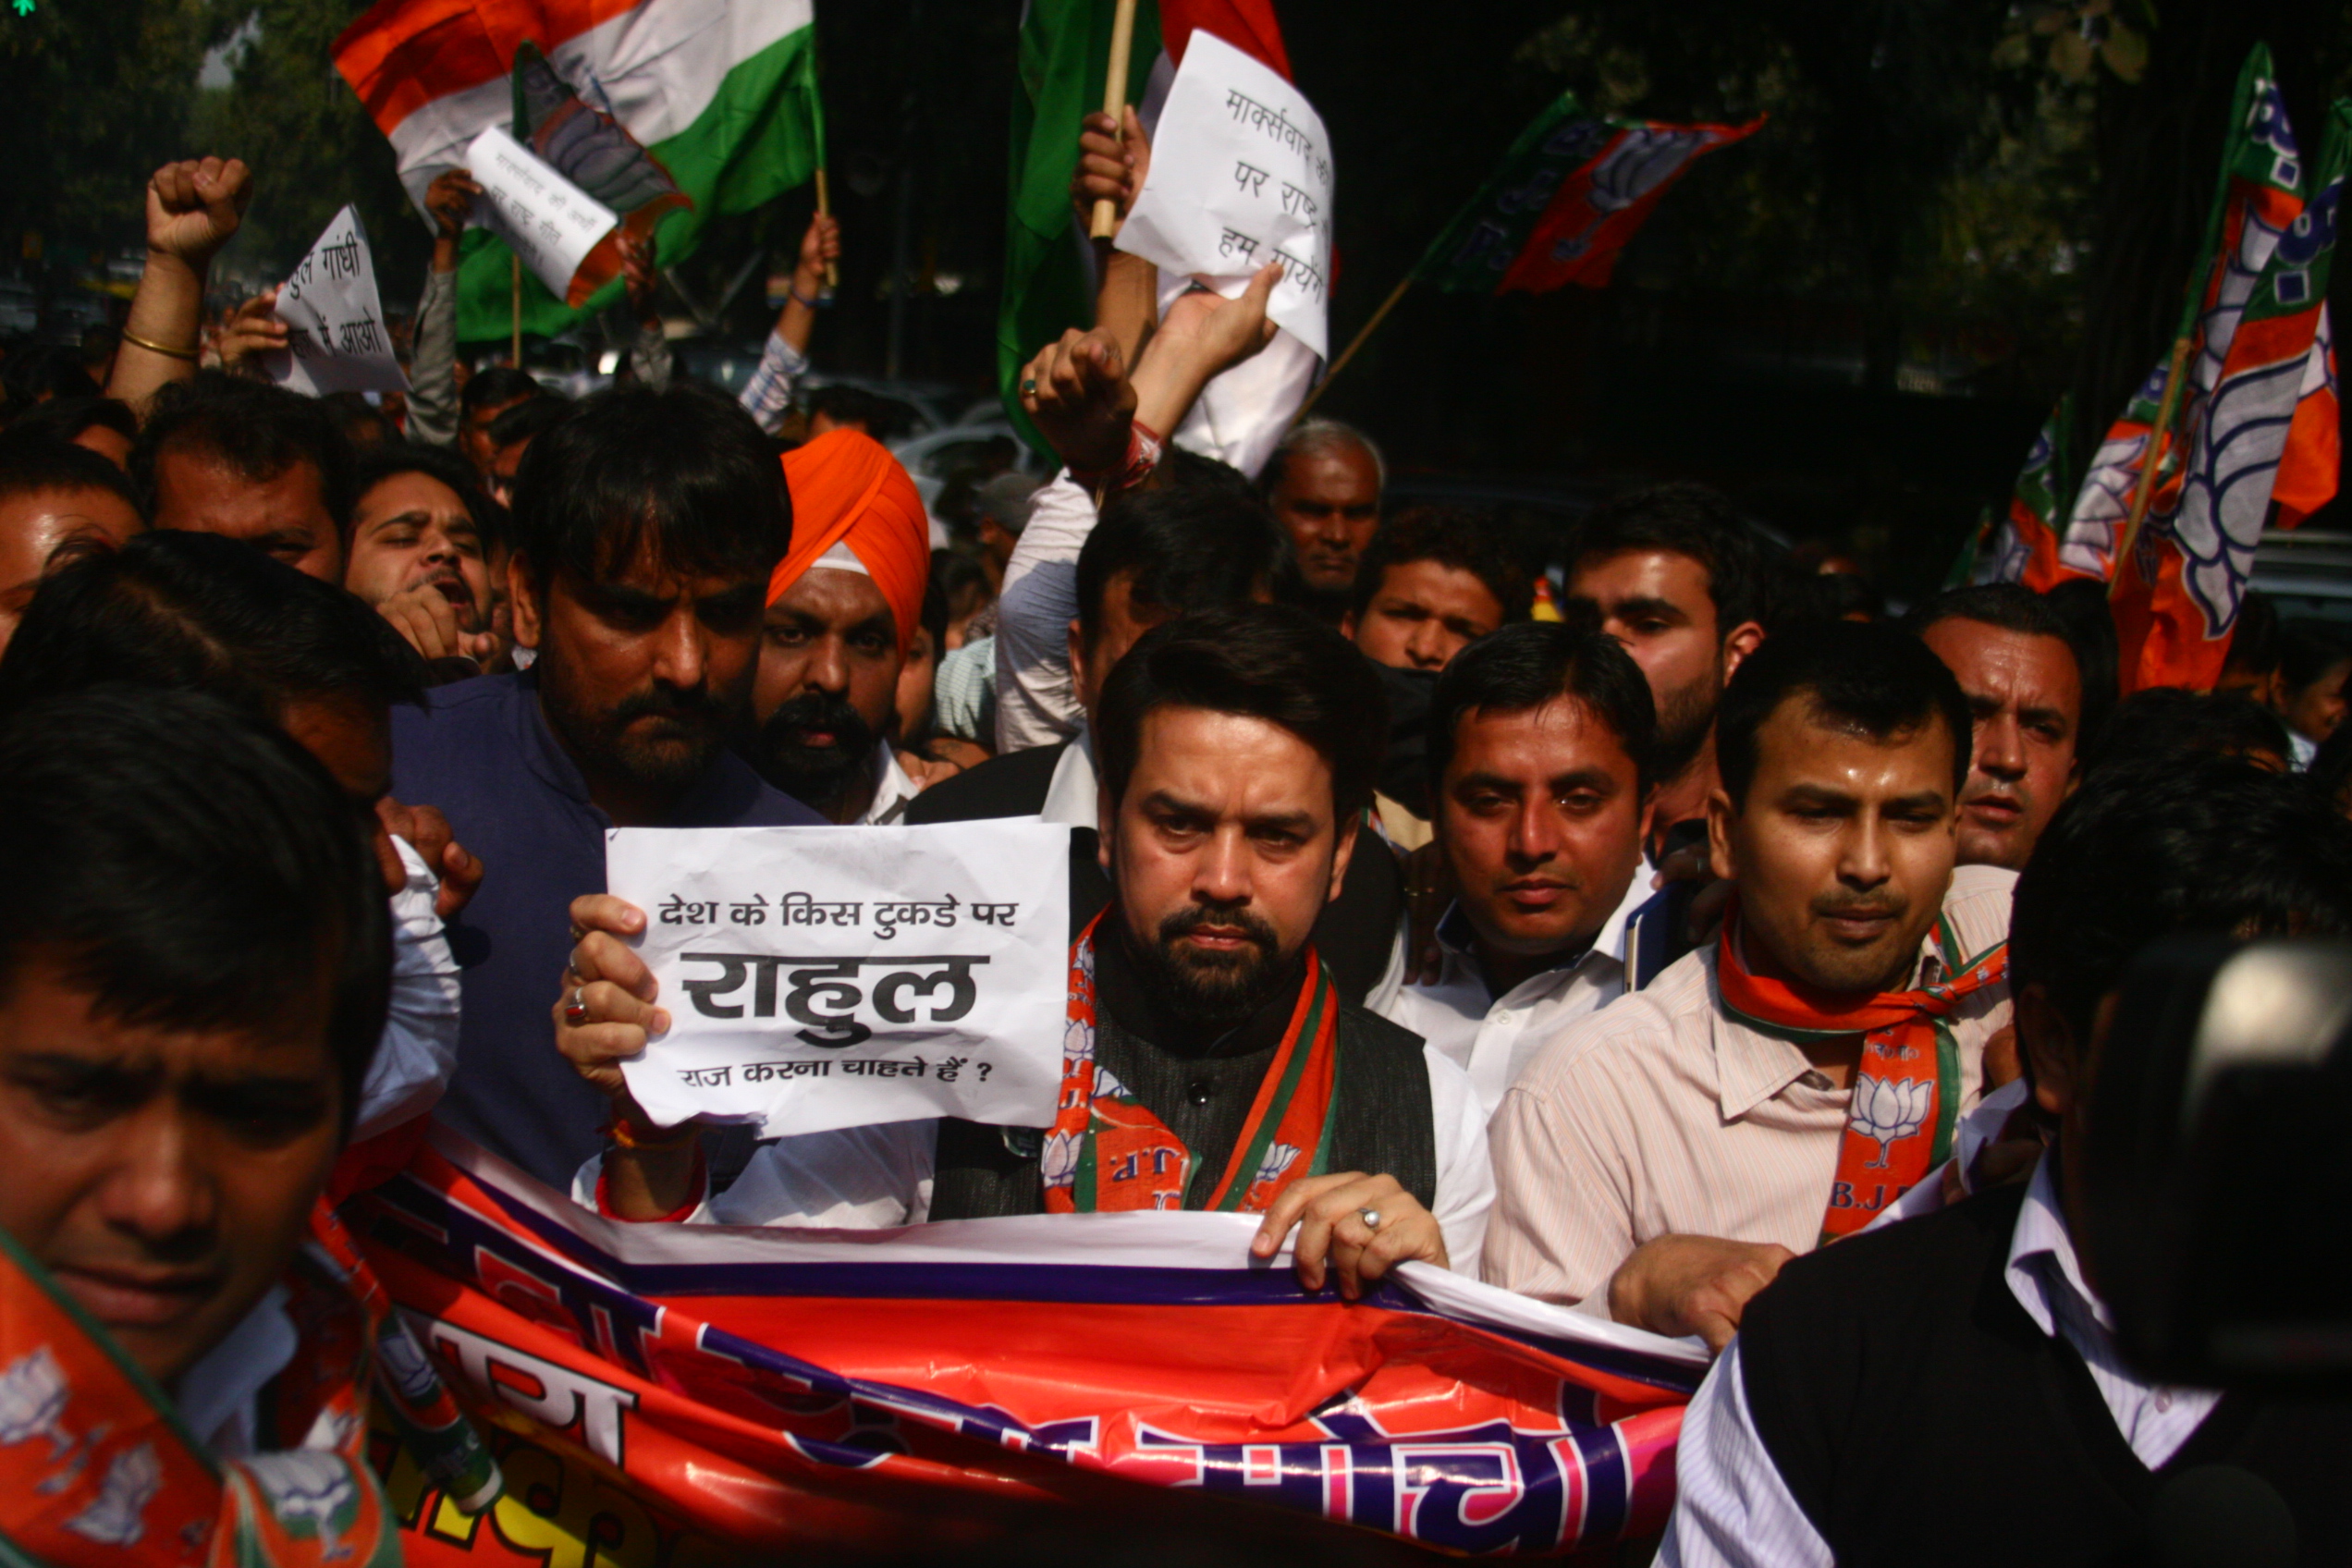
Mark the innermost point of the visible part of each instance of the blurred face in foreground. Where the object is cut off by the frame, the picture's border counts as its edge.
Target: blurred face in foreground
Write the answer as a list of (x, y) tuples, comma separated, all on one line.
[(2025, 699), (409, 530), (1843, 849), (1223, 851), (164, 1176), (641, 673), (42, 529), (1423, 614), (1539, 814)]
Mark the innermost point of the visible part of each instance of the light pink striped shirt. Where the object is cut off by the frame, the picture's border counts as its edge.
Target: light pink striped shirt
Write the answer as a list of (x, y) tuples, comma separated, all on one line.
[(1660, 1115)]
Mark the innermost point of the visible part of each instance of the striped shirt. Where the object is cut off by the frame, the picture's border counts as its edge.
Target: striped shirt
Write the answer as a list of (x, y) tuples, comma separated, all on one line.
[(767, 396), (1661, 1115)]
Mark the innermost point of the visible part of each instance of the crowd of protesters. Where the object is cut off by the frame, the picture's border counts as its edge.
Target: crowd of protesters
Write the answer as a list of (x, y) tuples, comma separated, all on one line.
[(1625, 868)]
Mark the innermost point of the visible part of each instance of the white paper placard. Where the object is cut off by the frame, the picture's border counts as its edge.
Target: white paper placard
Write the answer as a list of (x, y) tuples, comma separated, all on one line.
[(1241, 176), (338, 342), (823, 977), (551, 223)]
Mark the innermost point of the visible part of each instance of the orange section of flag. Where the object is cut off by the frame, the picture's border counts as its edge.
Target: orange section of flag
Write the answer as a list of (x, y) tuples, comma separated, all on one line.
[(401, 54)]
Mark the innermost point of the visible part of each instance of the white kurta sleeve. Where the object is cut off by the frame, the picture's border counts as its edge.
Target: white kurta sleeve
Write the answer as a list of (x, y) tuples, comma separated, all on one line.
[(1036, 704)]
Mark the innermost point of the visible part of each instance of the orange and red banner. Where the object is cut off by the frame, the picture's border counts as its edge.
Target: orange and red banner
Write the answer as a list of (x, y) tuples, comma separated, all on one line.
[(671, 1394)]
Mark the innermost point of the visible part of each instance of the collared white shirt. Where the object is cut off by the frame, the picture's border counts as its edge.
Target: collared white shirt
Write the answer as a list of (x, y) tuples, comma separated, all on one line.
[(1070, 797), (1733, 1510), (892, 787), (1664, 1115), (1493, 1038)]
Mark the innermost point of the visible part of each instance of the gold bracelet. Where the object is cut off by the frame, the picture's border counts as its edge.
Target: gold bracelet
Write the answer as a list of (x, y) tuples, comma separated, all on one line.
[(154, 347), (618, 1130)]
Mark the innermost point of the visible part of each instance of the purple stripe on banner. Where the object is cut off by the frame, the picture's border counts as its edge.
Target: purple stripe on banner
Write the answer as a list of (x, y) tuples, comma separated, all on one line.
[(457, 1230)]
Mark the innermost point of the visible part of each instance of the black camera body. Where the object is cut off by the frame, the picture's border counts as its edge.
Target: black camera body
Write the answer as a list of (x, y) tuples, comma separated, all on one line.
[(2218, 1168)]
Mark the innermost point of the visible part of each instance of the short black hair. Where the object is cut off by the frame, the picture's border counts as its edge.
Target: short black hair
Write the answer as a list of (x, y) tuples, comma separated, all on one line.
[(1522, 668), (2082, 604), (2011, 606), (190, 867), (257, 431), (528, 421), (1870, 680), (683, 471), (1688, 520), (2195, 844), (1453, 536), (1200, 538), (197, 612), (884, 419), (66, 417), (489, 388), (2168, 724), (2307, 650), (1263, 661), (31, 462), (441, 463)]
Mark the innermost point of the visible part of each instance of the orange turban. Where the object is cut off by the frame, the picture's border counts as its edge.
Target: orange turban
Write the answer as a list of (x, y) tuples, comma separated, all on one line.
[(847, 490)]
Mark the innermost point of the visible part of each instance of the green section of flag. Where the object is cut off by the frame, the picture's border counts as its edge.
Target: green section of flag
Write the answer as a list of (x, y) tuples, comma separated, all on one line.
[(1491, 228), (1048, 283), (760, 136)]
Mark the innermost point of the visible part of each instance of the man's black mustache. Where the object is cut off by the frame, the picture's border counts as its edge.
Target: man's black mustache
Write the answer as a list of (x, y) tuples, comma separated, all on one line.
[(820, 710), (1247, 922), (1845, 909), (668, 701)]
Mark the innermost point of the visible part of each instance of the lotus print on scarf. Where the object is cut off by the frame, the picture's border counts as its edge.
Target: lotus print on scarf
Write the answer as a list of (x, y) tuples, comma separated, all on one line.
[(1890, 1110)]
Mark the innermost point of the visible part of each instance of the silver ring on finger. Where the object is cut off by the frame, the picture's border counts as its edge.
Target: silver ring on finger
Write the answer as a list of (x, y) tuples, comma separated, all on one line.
[(576, 1010), (1371, 1218)]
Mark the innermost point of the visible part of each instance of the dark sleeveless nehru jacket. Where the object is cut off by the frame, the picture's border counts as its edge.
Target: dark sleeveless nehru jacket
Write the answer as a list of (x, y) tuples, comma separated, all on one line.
[(1919, 1416)]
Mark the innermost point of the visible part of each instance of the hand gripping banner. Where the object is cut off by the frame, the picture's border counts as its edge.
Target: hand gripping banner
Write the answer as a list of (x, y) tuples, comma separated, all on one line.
[(675, 1395)]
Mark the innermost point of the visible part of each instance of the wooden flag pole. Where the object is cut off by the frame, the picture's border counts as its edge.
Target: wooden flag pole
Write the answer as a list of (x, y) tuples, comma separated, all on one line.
[(515, 279), (825, 209), (2145, 490), (1354, 344), (1122, 41)]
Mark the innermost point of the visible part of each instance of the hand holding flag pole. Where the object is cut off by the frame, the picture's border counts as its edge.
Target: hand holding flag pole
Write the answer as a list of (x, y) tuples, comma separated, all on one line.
[(1123, 39)]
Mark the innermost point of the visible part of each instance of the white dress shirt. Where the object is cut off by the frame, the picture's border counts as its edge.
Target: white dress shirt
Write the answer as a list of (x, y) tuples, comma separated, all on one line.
[(1493, 1037), (1732, 1508)]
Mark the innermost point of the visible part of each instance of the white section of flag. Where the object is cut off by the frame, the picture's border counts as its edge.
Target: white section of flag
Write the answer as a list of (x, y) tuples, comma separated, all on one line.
[(659, 64)]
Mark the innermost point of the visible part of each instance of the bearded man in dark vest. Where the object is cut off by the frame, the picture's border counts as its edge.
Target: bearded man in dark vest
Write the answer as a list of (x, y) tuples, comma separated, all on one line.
[(1210, 1061)]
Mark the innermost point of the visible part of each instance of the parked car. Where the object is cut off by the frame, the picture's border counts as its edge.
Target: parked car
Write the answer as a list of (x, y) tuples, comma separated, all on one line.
[(19, 308)]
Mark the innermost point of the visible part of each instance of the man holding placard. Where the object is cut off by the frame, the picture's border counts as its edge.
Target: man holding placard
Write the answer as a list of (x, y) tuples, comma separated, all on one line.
[(1208, 1062), (645, 526)]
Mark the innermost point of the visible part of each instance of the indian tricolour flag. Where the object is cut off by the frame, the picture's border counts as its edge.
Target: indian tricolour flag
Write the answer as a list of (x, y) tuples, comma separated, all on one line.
[(722, 92), (1049, 280)]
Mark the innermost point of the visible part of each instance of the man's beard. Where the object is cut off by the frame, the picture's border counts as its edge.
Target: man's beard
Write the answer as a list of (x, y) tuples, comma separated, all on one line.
[(1215, 990), (816, 775), (1683, 721), (602, 741)]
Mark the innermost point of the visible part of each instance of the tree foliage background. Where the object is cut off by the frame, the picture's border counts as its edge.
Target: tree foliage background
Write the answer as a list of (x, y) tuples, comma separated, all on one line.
[(1852, 321)]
